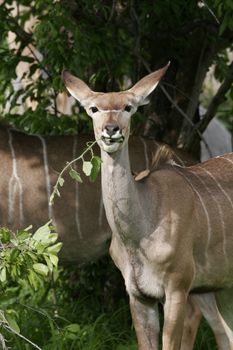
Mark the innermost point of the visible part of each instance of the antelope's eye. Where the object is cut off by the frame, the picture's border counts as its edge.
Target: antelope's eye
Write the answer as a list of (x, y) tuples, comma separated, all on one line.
[(128, 108), (94, 109)]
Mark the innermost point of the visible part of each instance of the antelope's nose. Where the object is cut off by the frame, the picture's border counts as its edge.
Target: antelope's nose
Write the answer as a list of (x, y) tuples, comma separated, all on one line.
[(111, 129)]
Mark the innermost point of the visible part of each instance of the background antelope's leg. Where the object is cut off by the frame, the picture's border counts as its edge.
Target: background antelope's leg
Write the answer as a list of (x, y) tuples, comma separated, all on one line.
[(225, 307), (192, 320), (209, 309), (146, 323), (174, 313)]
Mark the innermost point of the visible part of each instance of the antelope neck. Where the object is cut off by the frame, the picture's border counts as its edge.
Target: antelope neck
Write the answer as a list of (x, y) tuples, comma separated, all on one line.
[(120, 195)]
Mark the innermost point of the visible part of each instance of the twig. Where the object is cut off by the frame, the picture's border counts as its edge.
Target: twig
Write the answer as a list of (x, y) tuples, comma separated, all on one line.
[(8, 328), (137, 33), (55, 188), (3, 343), (202, 3), (112, 10), (21, 33), (39, 62)]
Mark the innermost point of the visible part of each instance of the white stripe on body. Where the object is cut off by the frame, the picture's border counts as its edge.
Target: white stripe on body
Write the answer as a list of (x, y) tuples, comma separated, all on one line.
[(47, 177), (14, 186), (77, 221), (205, 211), (220, 213), (145, 153), (229, 160), (219, 185)]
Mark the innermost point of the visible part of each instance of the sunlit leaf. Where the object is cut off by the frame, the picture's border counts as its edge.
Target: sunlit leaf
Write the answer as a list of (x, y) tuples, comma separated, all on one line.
[(42, 233), (3, 275), (87, 168), (54, 249), (61, 181), (12, 322), (75, 175), (40, 268), (54, 259)]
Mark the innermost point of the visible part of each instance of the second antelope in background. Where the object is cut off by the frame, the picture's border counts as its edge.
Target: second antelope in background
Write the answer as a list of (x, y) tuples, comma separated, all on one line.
[(171, 233)]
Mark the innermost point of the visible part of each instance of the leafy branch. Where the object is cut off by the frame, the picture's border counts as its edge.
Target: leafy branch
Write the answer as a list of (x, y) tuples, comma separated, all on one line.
[(90, 168), (25, 257)]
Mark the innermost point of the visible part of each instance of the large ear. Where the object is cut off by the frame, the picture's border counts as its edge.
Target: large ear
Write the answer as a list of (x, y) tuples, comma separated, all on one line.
[(76, 87), (146, 85)]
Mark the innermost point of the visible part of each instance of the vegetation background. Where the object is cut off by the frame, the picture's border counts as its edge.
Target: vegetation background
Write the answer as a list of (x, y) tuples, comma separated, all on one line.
[(109, 44)]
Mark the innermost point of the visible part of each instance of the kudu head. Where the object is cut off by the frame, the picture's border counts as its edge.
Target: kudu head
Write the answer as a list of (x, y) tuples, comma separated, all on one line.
[(111, 112)]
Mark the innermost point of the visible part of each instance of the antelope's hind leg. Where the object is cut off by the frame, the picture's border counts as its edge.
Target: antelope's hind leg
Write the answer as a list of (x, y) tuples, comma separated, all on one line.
[(217, 308), (224, 301)]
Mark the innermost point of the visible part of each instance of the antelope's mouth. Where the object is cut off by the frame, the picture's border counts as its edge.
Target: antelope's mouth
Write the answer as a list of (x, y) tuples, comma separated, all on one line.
[(111, 140)]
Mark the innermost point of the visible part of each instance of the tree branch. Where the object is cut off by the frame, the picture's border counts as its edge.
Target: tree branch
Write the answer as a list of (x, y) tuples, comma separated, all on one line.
[(184, 115), (217, 99), (25, 37), (194, 126)]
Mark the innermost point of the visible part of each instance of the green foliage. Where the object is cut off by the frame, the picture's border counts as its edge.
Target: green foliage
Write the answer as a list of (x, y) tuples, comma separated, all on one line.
[(27, 260), (82, 309), (108, 45)]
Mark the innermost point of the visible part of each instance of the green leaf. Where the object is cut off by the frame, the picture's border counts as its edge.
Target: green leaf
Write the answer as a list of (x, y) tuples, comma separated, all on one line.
[(61, 181), (3, 275), (49, 263), (75, 175), (40, 247), (22, 235), (96, 165), (42, 269), (12, 322), (54, 259), (87, 168), (73, 328), (33, 256), (54, 249), (14, 255), (33, 279), (43, 233), (5, 235), (2, 317), (52, 238)]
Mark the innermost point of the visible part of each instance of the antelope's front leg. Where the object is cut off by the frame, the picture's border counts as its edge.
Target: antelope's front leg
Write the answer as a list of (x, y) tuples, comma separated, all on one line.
[(174, 313), (146, 323)]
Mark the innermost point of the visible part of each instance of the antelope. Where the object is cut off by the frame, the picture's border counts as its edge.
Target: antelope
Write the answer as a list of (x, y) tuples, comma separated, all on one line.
[(172, 233)]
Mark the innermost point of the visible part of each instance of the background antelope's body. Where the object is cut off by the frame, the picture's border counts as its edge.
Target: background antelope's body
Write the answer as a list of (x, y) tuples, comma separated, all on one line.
[(171, 233), (29, 166)]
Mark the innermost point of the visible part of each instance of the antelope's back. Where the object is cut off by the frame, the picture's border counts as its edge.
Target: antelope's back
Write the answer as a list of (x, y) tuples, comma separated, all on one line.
[(29, 166)]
